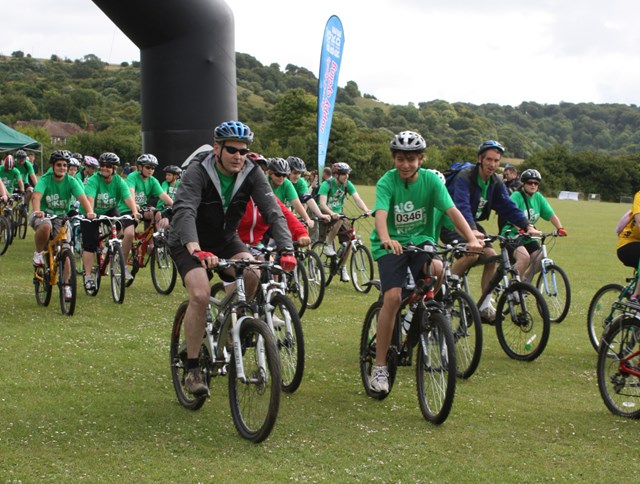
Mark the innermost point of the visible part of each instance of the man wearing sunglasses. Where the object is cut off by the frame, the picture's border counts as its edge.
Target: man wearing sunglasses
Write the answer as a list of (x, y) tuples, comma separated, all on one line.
[(209, 204), (476, 191)]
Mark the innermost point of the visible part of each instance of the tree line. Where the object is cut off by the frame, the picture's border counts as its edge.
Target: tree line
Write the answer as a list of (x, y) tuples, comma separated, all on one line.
[(586, 147)]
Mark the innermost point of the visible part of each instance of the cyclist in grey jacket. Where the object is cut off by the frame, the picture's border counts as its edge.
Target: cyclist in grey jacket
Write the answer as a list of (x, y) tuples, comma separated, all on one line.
[(207, 209)]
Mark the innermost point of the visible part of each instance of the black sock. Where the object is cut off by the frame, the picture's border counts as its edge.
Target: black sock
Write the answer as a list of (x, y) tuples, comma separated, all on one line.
[(192, 363)]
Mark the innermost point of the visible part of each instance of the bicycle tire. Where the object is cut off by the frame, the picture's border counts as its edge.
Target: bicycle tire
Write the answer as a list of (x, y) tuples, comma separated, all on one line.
[(600, 310), (96, 269), (329, 265), (435, 368), (5, 235), (290, 345), (361, 268), (42, 282), (117, 273), (297, 289), (178, 362), (368, 352), (315, 276), (466, 325), (135, 266), (76, 243), (24, 222), (619, 389), (11, 229), (255, 402), (163, 269), (560, 301), (524, 333), (67, 307)]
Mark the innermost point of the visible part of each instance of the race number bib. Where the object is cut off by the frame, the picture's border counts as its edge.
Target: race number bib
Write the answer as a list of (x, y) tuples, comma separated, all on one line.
[(407, 217)]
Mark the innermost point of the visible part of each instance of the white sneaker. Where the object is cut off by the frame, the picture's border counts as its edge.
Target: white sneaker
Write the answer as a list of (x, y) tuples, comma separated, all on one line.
[(67, 293), (277, 322), (379, 380), (488, 314), (37, 259), (329, 251), (344, 275), (128, 277)]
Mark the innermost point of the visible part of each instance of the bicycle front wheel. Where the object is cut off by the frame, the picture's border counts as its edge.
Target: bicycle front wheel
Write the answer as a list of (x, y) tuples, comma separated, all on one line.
[(298, 288), (554, 286), (255, 400), (522, 322), (117, 274), (287, 329), (436, 368), (467, 332), (600, 312), (68, 288), (42, 282), (178, 361), (361, 265), (328, 262), (618, 364), (22, 221), (76, 243), (5, 234), (315, 276), (163, 269)]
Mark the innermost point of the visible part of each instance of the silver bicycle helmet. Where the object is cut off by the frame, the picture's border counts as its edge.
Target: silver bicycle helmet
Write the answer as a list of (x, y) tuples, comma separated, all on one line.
[(408, 141), (279, 166), (296, 164)]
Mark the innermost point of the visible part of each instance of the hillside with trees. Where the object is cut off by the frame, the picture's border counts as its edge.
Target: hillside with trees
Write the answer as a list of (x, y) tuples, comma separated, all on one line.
[(585, 147)]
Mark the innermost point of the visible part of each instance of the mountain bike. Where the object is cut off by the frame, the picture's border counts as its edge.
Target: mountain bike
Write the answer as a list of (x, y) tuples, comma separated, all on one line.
[(239, 344), (553, 284), (314, 275), (150, 247), (20, 215), (430, 333), (5, 233), (606, 304), (8, 222), (273, 306), (618, 367), (361, 261), (58, 261), (522, 317)]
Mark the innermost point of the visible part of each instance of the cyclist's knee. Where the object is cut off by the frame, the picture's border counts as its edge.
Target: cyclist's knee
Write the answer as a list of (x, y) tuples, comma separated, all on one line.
[(392, 298)]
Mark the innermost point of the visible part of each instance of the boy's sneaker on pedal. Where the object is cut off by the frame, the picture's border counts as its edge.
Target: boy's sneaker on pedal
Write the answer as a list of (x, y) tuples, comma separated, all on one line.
[(379, 380), (195, 383), (344, 275), (89, 284), (488, 314), (67, 293), (329, 251), (37, 259), (128, 277)]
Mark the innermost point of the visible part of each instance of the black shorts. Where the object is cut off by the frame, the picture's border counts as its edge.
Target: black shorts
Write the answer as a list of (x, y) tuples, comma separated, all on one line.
[(629, 254), (393, 268), (531, 247), (186, 262)]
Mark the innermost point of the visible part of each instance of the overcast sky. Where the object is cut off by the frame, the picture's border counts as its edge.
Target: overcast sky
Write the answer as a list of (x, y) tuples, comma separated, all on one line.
[(400, 51)]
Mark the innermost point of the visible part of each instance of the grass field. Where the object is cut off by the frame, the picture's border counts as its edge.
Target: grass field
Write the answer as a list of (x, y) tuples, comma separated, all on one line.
[(89, 397)]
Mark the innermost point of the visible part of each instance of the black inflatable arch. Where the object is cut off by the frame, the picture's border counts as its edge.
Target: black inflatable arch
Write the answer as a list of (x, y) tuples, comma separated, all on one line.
[(188, 70)]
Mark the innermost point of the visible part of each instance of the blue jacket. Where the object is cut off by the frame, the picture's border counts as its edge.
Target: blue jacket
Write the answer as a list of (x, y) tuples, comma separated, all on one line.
[(466, 193)]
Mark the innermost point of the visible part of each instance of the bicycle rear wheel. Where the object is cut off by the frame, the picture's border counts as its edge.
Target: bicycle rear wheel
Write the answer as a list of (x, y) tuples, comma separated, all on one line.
[(42, 282), (290, 342), (178, 361), (328, 262), (315, 275), (522, 322), (163, 269), (618, 385), (117, 274), (5, 234), (600, 312), (76, 243), (67, 304), (467, 332), (435, 368), (554, 287), (361, 265), (255, 400), (23, 221), (298, 288), (368, 352)]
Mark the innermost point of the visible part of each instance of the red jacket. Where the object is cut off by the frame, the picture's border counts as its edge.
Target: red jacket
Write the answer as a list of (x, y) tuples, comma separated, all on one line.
[(252, 228)]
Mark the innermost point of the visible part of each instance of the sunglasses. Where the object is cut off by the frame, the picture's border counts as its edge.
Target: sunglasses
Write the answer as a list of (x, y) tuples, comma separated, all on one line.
[(279, 175), (232, 150), (531, 182), (150, 167)]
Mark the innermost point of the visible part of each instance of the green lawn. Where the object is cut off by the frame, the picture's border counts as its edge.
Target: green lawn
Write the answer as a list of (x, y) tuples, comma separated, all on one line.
[(89, 397)]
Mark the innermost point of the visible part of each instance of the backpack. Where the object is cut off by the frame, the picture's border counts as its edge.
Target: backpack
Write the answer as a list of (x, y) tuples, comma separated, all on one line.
[(454, 169)]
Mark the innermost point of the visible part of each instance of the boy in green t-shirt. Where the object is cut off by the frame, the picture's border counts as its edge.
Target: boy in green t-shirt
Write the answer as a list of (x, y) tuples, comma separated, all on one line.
[(407, 201), (10, 175)]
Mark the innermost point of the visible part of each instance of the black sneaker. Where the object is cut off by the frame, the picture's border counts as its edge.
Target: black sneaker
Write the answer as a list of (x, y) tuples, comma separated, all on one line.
[(195, 384)]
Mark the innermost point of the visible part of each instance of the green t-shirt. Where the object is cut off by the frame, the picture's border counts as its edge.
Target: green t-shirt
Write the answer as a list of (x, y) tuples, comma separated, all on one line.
[(25, 170), (301, 186), (106, 196), (57, 196), (142, 189), (226, 185), (336, 193), (171, 190), (533, 207), (286, 192), (414, 212), (10, 178)]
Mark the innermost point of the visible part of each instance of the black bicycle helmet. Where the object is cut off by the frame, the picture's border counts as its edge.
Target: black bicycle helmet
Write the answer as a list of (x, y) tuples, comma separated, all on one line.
[(279, 166), (490, 145), (233, 131), (530, 174), (174, 169), (408, 141), (78, 156), (296, 164), (109, 158), (59, 155)]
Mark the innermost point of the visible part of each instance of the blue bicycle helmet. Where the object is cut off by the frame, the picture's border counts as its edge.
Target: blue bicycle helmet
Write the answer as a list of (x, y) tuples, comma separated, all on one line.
[(490, 145), (233, 131)]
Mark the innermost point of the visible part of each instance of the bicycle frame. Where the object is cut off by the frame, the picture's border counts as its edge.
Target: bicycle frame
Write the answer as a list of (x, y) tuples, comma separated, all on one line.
[(112, 240)]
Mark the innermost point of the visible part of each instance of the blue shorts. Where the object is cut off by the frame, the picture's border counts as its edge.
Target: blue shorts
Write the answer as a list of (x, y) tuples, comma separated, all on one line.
[(393, 268)]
